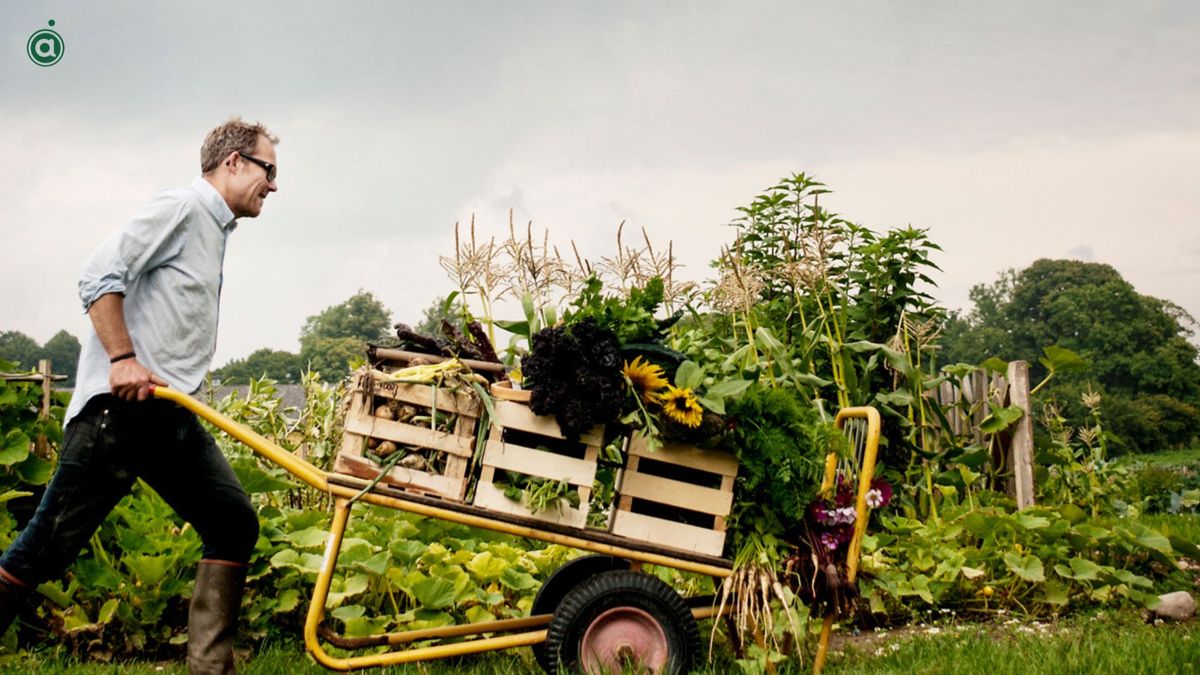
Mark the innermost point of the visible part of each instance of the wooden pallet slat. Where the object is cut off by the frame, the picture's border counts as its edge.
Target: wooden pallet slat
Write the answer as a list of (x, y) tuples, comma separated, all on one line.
[(502, 455), (680, 495)]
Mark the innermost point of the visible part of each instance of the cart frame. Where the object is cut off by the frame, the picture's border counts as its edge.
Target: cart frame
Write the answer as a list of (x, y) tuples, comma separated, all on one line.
[(346, 490)]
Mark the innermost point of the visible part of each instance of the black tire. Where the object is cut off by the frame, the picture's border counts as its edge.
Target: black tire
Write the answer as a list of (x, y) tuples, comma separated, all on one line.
[(564, 579), (643, 593)]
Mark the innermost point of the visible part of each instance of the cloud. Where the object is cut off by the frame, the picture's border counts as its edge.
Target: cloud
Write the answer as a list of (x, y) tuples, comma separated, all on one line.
[(1084, 253)]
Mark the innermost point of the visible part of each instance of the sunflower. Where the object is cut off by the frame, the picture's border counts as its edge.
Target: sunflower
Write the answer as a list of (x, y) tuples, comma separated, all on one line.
[(681, 405), (647, 378)]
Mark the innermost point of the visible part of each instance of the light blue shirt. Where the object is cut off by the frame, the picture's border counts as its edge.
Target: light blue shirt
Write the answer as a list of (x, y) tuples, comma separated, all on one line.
[(167, 262)]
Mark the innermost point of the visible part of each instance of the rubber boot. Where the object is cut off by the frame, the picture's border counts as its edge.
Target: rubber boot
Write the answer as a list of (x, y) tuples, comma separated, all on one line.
[(13, 596), (213, 616)]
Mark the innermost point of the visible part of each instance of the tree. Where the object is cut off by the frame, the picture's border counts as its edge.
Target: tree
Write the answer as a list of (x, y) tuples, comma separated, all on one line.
[(63, 352), (339, 333), (1136, 346), (20, 348), (281, 366)]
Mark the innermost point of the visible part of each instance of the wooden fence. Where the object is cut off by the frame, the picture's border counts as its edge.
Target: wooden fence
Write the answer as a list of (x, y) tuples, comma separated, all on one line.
[(983, 391), (47, 378)]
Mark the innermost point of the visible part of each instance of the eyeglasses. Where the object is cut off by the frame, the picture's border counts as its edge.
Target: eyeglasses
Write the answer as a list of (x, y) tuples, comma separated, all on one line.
[(267, 166)]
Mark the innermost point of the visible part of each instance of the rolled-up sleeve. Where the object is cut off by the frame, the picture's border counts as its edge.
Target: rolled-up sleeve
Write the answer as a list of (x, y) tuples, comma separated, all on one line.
[(154, 236)]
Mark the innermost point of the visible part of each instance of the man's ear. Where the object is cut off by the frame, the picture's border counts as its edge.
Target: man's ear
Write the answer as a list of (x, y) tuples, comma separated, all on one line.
[(231, 160)]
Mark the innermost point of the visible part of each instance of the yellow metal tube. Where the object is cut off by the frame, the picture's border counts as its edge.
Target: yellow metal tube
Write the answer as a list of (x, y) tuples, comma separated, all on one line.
[(866, 474)]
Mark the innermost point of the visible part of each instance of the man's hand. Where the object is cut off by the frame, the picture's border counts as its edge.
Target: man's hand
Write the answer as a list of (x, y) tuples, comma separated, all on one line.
[(130, 380)]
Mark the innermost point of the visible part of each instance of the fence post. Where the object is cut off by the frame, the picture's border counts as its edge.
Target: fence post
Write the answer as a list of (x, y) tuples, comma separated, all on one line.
[(41, 446), (1021, 448)]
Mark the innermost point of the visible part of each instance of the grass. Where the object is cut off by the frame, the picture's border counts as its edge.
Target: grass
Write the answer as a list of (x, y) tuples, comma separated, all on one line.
[(1099, 643), (1102, 643), (1165, 458)]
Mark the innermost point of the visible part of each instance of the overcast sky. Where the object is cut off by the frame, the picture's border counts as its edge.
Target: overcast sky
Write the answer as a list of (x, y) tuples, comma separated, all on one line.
[(1012, 130)]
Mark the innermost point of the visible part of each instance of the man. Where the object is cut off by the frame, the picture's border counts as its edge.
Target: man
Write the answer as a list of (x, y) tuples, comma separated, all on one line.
[(151, 291)]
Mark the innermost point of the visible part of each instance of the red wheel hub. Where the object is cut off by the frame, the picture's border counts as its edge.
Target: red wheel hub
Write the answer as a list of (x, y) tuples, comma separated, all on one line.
[(623, 638)]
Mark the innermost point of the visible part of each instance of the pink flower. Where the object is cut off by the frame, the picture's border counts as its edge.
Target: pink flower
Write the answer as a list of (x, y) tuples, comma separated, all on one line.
[(829, 540), (885, 493)]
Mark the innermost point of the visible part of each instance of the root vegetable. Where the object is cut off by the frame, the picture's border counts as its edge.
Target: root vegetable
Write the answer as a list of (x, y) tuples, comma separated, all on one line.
[(385, 412), (386, 449)]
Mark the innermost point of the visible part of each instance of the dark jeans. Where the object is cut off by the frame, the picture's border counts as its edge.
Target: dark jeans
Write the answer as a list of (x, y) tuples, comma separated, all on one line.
[(106, 447)]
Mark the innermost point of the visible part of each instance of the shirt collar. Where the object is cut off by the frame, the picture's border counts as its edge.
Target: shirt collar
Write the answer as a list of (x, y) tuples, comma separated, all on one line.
[(214, 203)]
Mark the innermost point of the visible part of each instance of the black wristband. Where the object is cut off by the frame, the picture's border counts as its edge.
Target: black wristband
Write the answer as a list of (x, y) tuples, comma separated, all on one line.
[(122, 357)]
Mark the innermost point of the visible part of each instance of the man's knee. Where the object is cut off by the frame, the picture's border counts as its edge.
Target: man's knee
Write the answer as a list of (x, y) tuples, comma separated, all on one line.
[(233, 536)]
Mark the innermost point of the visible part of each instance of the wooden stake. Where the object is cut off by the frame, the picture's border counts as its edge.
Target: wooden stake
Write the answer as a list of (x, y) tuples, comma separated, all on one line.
[(1021, 453)]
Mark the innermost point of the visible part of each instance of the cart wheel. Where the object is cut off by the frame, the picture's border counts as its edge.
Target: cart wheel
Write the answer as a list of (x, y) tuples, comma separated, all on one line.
[(622, 621), (560, 583)]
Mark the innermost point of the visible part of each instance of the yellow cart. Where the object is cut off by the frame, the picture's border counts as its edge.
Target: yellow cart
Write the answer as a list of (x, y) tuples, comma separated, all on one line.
[(600, 609)]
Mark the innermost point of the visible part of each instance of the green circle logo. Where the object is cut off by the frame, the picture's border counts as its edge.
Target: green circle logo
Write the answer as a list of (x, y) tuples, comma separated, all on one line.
[(45, 47)]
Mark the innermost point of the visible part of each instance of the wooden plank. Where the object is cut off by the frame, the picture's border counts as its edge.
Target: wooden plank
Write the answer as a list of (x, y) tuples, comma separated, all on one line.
[(539, 463), (946, 397), (677, 493), (422, 395), (1021, 454), (513, 415), (408, 434), (712, 460), (451, 487), (667, 533), (488, 496)]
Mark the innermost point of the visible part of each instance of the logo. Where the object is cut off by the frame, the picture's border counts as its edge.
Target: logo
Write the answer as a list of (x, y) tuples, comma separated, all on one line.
[(45, 47)]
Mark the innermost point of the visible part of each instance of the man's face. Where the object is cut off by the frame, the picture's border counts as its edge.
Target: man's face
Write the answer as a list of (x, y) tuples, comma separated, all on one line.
[(249, 185)]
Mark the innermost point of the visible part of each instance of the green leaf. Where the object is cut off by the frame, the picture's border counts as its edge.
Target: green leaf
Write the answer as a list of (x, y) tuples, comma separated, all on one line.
[(1155, 542), (256, 480), (14, 447), (689, 375), (1000, 419), (972, 572), (727, 388), (1188, 548), (517, 580), (407, 550), (515, 327), (149, 569), (347, 612), (14, 494), (309, 537), (716, 405), (1027, 567), (434, 592), (1062, 360), (479, 614), (1084, 569), (107, 610), (1054, 593), (995, 365), (486, 566), (1031, 522), (74, 620), (287, 601), (35, 470)]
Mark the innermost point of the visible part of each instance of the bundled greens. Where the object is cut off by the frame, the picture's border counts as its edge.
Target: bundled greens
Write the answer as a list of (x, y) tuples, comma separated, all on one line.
[(781, 444), (575, 374)]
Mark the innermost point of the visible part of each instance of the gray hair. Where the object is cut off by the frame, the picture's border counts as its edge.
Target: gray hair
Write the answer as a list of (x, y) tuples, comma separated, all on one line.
[(234, 135)]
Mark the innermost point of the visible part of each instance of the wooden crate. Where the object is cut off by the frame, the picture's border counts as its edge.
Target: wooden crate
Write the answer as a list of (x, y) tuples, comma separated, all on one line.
[(457, 446), (503, 454), (684, 488)]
